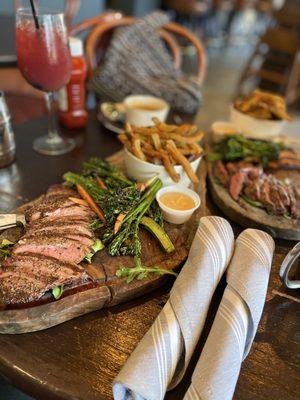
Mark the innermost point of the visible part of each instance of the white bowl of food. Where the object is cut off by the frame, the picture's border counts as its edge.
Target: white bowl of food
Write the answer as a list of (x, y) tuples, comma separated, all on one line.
[(260, 114), (143, 170), (253, 127), (177, 203)]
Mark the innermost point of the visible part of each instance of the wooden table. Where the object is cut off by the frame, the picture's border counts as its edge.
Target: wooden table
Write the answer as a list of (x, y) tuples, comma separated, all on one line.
[(80, 358)]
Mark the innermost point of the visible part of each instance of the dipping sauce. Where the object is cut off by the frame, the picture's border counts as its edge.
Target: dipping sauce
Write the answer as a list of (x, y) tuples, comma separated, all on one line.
[(177, 201)]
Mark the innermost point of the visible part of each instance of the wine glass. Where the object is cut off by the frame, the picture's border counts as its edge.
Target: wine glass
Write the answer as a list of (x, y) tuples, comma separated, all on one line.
[(45, 62)]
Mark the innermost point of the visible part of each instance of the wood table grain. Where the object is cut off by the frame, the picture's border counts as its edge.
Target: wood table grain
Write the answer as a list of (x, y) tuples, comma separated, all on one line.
[(80, 358)]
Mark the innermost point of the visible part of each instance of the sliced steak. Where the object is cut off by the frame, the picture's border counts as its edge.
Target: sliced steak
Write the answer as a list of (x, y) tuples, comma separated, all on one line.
[(58, 190), (46, 206), (62, 227), (221, 173), (26, 278), (71, 211), (87, 240), (236, 184), (63, 249)]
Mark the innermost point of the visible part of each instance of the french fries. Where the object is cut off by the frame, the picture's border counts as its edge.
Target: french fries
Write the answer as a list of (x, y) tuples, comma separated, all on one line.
[(263, 105), (169, 145), (180, 158)]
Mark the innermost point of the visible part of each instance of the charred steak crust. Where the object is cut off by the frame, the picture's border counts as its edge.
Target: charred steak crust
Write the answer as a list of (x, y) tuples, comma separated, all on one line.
[(56, 240)]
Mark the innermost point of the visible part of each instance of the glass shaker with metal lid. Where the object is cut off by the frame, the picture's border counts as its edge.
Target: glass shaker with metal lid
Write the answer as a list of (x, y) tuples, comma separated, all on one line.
[(7, 140)]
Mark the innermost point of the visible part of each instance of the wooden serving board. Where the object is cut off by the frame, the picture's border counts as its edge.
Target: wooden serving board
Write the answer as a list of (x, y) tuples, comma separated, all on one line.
[(251, 217), (110, 290)]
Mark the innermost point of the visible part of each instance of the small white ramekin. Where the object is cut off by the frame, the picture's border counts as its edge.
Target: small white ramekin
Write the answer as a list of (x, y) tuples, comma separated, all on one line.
[(177, 216)]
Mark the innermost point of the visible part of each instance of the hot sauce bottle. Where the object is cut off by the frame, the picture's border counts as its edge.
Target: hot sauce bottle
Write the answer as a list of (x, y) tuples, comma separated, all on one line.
[(71, 98)]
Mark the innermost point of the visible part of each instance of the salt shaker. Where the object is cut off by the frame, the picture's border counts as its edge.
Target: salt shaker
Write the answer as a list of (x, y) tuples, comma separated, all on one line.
[(7, 140)]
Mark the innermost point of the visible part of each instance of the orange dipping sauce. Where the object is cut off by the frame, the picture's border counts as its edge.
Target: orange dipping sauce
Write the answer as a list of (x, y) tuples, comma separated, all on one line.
[(177, 201)]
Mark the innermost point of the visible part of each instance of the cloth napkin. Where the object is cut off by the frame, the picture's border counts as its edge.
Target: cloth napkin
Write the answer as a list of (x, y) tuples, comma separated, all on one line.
[(160, 359), (137, 62), (237, 318)]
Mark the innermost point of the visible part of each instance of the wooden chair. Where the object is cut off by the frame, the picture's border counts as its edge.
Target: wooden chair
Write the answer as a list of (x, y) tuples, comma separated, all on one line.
[(279, 53), (114, 17), (99, 35), (288, 17)]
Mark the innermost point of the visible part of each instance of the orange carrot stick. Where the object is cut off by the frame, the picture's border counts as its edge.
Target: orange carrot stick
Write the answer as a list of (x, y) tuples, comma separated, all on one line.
[(100, 183), (84, 194), (78, 201), (118, 223)]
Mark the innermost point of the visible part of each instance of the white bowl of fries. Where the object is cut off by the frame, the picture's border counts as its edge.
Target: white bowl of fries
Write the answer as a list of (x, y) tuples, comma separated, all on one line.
[(255, 128), (141, 171), (170, 152), (260, 115)]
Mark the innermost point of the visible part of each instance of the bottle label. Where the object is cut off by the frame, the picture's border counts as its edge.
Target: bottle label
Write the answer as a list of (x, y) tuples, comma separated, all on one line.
[(63, 99)]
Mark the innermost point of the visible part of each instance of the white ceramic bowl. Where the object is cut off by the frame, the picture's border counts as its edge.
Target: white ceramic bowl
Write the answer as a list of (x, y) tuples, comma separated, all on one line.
[(143, 170), (177, 216), (255, 128), (222, 128), (143, 117)]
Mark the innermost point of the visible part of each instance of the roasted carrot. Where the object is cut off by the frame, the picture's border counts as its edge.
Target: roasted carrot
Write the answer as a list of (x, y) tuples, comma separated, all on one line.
[(118, 223), (100, 183), (84, 194), (78, 201)]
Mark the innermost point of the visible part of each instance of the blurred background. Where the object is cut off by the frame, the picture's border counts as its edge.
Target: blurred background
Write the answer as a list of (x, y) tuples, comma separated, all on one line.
[(249, 44)]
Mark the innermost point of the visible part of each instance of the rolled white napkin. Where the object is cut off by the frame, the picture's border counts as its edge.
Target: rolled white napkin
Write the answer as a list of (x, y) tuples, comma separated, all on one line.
[(237, 318), (160, 359)]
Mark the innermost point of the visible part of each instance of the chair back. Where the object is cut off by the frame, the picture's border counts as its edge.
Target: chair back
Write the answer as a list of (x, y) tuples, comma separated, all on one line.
[(100, 36)]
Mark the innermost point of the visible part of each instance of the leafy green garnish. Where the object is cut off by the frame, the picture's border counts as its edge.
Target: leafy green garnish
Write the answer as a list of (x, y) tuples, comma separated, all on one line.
[(237, 147), (57, 292), (252, 202), (140, 271), (5, 249), (96, 224), (97, 246)]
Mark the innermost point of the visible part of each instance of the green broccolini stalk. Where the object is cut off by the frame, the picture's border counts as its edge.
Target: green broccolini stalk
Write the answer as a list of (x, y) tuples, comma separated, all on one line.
[(111, 201), (123, 198), (127, 241), (111, 176), (237, 147)]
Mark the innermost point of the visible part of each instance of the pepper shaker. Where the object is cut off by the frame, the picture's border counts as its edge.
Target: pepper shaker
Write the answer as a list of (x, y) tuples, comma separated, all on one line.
[(7, 139)]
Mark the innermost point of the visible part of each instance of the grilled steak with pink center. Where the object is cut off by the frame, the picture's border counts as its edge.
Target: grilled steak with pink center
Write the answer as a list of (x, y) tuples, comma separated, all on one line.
[(250, 182), (58, 237)]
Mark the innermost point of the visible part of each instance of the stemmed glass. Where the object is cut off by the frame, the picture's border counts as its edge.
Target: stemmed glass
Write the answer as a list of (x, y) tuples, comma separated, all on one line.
[(45, 62)]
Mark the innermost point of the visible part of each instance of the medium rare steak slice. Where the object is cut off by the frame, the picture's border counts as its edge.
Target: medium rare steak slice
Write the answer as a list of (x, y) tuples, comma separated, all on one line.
[(67, 233), (60, 227), (47, 205), (63, 249), (70, 211), (25, 278)]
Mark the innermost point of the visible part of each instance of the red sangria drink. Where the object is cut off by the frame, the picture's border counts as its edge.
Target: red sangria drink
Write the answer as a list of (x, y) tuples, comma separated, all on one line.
[(43, 55), (45, 62)]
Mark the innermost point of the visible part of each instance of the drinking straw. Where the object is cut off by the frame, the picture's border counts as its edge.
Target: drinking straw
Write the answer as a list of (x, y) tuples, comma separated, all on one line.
[(36, 21)]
